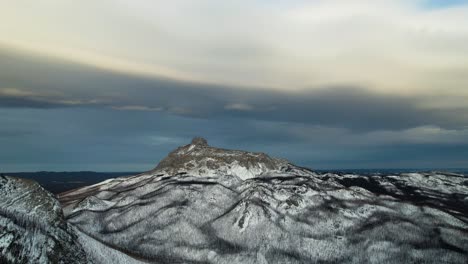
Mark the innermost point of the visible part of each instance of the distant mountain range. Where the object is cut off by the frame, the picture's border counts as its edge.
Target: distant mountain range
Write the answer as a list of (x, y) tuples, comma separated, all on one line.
[(203, 204)]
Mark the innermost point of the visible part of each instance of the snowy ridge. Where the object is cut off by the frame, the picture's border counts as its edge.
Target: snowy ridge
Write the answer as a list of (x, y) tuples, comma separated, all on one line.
[(308, 218), (274, 212), (32, 226)]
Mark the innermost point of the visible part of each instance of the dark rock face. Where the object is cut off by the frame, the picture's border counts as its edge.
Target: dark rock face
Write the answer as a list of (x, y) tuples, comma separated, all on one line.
[(32, 226)]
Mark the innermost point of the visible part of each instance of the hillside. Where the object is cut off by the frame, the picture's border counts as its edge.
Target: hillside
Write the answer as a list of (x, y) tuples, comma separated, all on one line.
[(194, 208), (32, 226)]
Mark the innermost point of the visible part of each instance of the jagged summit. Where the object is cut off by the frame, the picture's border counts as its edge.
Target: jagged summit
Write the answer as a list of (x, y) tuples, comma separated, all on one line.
[(200, 159), (199, 141)]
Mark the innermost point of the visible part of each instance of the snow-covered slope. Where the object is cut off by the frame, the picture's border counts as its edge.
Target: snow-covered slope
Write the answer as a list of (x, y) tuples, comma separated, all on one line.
[(189, 210), (32, 226)]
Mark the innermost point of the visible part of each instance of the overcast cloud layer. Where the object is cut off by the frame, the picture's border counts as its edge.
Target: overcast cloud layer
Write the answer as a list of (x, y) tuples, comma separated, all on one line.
[(114, 85)]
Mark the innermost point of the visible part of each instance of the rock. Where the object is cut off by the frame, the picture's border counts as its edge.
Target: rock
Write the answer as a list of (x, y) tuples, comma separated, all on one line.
[(199, 141)]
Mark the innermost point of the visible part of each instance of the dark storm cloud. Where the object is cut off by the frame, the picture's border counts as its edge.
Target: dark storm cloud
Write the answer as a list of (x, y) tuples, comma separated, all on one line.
[(351, 108), (348, 107), (41, 102), (12, 102)]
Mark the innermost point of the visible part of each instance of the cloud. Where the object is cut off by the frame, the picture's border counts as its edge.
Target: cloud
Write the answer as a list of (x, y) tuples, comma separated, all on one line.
[(50, 83), (396, 47), (238, 107), (348, 83), (20, 98), (137, 108), (424, 135), (25, 102), (14, 92), (392, 61), (164, 140)]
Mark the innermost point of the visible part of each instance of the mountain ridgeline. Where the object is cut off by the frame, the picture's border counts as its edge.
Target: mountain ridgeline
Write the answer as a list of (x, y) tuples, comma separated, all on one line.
[(203, 204)]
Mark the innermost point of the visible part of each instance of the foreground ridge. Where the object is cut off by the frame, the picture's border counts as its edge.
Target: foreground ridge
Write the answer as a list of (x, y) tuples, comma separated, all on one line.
[(32, 226)]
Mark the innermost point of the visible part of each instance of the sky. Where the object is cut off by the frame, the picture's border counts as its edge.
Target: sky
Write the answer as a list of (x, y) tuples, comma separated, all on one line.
[(114, 85)]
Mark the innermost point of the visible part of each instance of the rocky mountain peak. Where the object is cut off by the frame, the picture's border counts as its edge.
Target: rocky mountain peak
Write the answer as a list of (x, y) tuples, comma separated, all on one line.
[(199, 141), (200, 159)]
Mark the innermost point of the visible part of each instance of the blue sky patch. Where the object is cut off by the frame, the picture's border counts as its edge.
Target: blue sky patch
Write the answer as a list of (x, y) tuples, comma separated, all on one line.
[(443, 3)]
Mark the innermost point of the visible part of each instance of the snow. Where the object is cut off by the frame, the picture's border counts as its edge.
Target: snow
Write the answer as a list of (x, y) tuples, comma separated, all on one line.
[(209, 205), (102, 254), (32, 226), (6, 240), (306, 215), (191, 148)]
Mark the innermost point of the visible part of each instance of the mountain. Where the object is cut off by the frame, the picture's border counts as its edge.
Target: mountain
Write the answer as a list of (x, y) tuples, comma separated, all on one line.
[(33, 228), (200, 159), (203, 204)]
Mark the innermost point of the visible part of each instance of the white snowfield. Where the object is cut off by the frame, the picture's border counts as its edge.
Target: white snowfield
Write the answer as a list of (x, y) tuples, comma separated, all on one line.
[(208, 205)]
